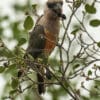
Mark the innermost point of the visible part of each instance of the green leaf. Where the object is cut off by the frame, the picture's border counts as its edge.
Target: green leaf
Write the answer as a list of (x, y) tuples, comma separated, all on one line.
[(34, 6), (21, 41), (54, 62), (75, 31), (77, 3), (6, 17), (5, 52), (76, 66), (16, 30), (95, 22), (18, 7), (89, 72), (2, 69), (14, 83), (96, 86), (98, 44), (90, 9), (27, 97), (12, 69), (13, 92), (28, 23), (97, 82)]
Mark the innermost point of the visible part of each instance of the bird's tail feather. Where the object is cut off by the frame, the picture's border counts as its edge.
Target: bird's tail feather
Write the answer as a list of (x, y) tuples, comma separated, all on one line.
[(41, 85)]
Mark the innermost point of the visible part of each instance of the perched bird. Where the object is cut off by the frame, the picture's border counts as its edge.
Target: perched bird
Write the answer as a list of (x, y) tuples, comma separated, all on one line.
[(43, 37)]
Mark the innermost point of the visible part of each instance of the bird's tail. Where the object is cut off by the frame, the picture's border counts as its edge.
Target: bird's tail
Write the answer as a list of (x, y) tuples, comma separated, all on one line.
[(41, 85)]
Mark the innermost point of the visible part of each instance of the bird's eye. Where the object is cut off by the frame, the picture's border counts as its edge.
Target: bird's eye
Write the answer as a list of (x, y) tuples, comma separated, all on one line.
[(51, 5)]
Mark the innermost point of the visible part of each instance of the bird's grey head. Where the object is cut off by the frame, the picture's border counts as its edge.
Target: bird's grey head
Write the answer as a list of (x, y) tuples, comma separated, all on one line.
[(56, 7)]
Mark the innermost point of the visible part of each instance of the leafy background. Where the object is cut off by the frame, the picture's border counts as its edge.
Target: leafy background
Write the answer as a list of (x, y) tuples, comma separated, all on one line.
[(16, 20)]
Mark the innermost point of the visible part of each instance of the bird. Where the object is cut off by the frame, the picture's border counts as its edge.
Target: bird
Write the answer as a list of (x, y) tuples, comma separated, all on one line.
[(44, 36)]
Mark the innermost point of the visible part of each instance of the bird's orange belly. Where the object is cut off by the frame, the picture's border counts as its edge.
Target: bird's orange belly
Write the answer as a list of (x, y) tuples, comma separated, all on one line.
[(50, 42)]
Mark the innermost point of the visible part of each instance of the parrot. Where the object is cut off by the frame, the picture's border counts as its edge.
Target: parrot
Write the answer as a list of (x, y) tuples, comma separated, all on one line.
[(44, 36)]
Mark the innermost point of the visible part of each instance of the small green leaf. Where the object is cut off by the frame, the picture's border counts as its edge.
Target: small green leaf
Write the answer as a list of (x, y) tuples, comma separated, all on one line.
[(89, 72), (96, 86), (21, 41), (5, 52), (34, 6), (28, 23), (13, 92), (14, 83), (6, 17), (2, 69), (76, 66), (54, 62), (95, 22), (75, 31), (12, 69), (77, 3), (98, 44), (90, 9)]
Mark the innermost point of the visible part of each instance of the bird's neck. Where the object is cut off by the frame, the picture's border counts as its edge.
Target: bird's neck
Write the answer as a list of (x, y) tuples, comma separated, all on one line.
[(50, 21), (51, 15), (52, 24)]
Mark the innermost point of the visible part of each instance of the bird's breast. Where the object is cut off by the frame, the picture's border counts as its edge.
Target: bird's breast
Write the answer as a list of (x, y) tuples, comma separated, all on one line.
[(51, 40)]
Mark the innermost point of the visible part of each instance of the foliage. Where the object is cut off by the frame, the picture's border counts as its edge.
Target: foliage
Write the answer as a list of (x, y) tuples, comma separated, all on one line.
[(28, 23), (74, 64)]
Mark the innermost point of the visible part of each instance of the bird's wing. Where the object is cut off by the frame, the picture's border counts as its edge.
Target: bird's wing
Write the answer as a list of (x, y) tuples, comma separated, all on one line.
[(36, 41)]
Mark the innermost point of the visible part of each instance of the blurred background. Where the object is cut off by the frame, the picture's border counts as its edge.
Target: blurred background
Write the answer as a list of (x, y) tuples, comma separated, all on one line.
[(13, 34)]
